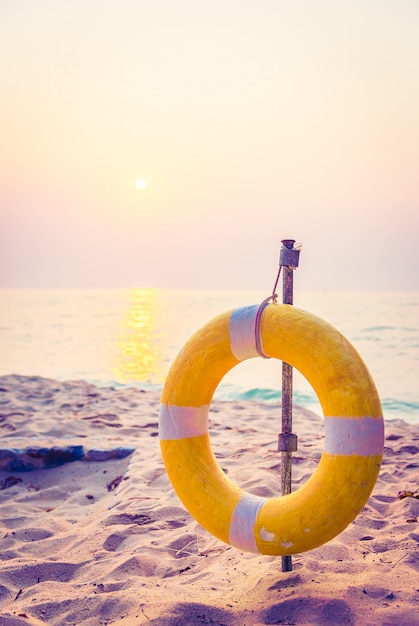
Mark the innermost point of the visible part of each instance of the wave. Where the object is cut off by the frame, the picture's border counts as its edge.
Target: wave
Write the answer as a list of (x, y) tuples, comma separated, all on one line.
[(393, 408), (379, 329), (399, 406), (262, 394)]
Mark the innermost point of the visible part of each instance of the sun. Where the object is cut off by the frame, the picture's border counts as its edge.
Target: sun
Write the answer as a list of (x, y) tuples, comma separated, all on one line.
[(141, 184)]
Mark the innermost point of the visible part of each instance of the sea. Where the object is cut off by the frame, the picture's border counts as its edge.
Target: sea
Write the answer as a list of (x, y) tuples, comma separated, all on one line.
[(130, 337)]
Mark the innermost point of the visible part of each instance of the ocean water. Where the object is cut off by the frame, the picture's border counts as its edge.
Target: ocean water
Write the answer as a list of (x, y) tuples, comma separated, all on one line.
[(131, 336)]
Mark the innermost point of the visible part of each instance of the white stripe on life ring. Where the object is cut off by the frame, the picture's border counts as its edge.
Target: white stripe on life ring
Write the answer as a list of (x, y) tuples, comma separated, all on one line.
[(242, 526), (242, 332), (363, 436), (179, 422)]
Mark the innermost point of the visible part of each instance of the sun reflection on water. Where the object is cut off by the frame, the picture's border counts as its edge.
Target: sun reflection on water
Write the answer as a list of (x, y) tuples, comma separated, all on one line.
[(140, 355)]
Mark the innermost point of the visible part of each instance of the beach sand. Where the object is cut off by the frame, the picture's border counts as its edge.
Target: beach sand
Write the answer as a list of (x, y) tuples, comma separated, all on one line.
[(108, 542)]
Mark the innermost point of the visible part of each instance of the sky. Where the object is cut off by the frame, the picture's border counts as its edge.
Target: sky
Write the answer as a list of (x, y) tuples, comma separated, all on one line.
[(252, 121)]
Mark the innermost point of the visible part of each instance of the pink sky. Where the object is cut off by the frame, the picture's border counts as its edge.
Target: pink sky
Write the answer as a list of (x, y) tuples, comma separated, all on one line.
[(251, 121)]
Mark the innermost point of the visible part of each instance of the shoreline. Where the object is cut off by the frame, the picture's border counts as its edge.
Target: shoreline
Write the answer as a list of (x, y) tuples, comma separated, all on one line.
[(243, 396), (108, 542)]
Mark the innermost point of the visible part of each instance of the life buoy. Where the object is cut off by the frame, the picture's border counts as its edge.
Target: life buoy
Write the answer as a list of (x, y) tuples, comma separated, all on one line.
[(354, 431)]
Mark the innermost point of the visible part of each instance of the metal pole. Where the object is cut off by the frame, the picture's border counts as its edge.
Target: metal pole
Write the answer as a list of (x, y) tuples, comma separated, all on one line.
[(287, 442)]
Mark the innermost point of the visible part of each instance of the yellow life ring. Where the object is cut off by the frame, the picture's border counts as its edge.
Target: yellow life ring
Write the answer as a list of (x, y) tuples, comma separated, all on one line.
[(354, 431)]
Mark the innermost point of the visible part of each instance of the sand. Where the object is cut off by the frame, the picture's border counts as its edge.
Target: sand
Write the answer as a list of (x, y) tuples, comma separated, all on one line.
[(108, 542)]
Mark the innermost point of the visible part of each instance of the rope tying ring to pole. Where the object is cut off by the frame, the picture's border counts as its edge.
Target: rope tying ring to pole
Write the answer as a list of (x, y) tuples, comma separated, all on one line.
[(274, 299), (274, 296)]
